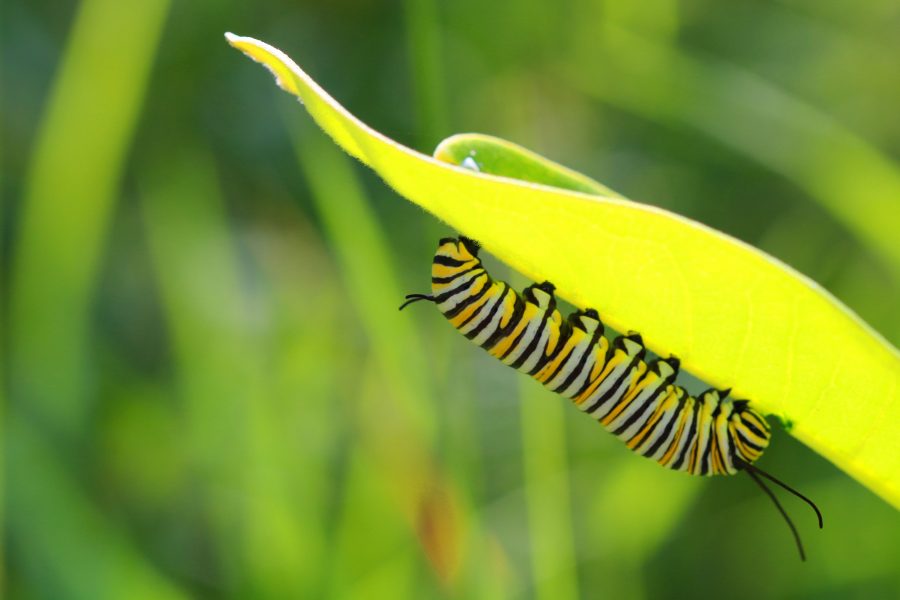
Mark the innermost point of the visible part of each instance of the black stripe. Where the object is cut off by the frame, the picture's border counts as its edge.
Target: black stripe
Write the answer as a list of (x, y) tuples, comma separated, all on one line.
[(518, 339), (718, 450), (613, 389), (490, 317), (447, 294), (518, 310), (714, 434), (663, 385), (468, 301), (732, 446), (533, 344), (654, 447), (640, 411), (564, 333), (562, 362), (608, 393), (440, 280), (606, 356), (440, 259), (705, 466), (579, 368), (752, 427), (637, 441), (747, 442), (692, 433), (476, 312)]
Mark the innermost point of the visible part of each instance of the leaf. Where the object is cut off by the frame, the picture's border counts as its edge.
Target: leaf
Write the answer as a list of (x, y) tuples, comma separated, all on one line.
[(493, 155), (735, 316)]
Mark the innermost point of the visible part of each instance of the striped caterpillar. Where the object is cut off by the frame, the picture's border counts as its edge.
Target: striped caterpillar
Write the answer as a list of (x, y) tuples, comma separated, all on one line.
[(635, 400)]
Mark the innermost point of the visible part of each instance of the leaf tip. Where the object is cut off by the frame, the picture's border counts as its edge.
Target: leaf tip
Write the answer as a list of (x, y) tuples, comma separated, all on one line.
[(278, 63)]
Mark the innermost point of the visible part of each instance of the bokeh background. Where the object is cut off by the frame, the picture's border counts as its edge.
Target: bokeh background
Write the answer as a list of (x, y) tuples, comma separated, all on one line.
[(209, 392)]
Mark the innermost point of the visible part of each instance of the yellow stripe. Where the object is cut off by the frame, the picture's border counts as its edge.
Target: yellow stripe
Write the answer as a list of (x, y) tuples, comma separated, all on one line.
[(544, 374), (676, 441), (509, 307), (756, 420), (759, 441), (702, 431), (445, 271), (553, 328), (691, 459), (717, 465), (440, 287), (501, 347), (635, 386), (461, 318), (662, 408), (618, 357)]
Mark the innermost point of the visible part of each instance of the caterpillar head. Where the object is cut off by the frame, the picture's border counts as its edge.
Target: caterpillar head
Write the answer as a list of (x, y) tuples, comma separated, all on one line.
[(462, 249)]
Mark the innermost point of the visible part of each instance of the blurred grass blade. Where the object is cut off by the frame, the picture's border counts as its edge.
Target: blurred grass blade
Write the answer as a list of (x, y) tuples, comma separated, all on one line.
[(402, 443), (55, 525), (378, 496), (735, 316), (634, 511), (553, 564), (847, 175), (423, 34), (70, 192), (372, 286), (230, 423), (305, 383)]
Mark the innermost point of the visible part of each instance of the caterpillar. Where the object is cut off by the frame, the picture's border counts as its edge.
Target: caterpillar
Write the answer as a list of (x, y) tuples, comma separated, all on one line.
[(634, 399)]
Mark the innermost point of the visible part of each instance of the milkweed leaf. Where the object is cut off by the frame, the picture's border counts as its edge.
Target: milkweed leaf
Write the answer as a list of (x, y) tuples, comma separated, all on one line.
[(735, 316)]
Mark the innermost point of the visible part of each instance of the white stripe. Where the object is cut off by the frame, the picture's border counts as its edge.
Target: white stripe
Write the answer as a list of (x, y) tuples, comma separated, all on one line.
[(491, 327), (642, 397), (581, 380), (685, 435), (602, 411), (539, 350), (658, 430), (722, 437), (483, 313), (525, 339), (451, 302), (665, 371), (569, 365)]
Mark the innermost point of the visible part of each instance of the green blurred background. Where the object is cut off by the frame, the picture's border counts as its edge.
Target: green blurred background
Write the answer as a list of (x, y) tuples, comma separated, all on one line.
[(209, 391)]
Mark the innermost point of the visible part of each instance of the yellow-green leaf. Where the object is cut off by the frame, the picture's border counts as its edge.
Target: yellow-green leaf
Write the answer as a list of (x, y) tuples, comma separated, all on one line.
[(735, 316)]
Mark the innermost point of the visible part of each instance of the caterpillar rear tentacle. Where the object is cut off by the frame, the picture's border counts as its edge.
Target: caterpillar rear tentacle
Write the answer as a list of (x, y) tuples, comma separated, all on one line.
[(636, 400)]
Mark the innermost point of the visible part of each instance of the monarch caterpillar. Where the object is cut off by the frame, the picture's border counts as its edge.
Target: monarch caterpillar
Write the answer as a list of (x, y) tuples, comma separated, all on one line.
[(634, 399)]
